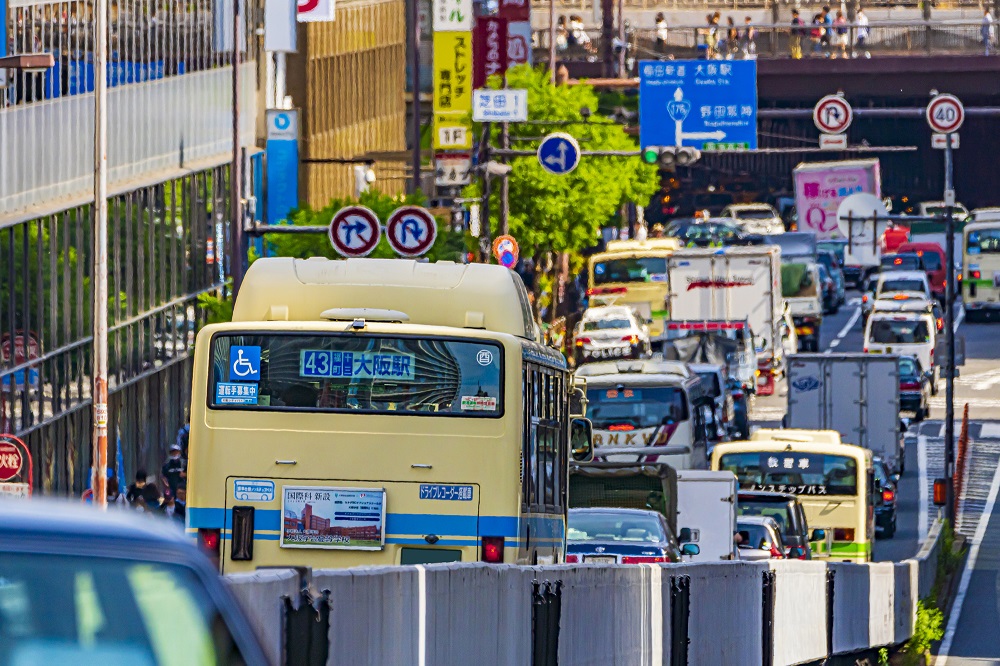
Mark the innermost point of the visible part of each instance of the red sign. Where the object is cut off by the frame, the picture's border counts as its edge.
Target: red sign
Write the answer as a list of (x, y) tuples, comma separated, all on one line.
[(945, 114), (16, 351), (490, 43), (411, 231), (354, 231), (515, 10), (11, 460)]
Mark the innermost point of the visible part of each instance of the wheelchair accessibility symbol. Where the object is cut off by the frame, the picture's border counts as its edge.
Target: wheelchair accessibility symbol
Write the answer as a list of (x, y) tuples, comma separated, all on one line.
[(244, 364)]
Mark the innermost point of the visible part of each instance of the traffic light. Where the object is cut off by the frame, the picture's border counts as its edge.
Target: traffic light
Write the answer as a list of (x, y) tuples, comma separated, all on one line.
[(669, 157)]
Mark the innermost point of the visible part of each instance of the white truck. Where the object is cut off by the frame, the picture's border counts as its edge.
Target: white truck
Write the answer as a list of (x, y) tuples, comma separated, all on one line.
[(855, 394), (732, 284), (706, 513)]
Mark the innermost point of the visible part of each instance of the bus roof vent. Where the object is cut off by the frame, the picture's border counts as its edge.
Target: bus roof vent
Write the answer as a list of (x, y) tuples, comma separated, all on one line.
[(367, 314), (277, 313)]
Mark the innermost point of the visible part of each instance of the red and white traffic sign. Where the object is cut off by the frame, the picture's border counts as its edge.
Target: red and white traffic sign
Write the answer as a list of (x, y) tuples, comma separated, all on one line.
[(505, 250), (11, 460), (411, 231), (355, 231), (945, 114), (833, 114)]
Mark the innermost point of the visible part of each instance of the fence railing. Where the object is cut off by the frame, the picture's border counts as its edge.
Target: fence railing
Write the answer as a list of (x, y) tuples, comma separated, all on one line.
[(883, 38), (167, 247), (147, 41), (586, 7)]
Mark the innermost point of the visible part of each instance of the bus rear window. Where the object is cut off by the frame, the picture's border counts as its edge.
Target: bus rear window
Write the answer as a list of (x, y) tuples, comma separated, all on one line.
[(633, 408), (793, 472), (634, 269), (357, 374)]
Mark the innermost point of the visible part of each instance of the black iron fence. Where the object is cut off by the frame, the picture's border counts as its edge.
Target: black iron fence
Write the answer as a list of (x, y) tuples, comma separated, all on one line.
[(165, 245)]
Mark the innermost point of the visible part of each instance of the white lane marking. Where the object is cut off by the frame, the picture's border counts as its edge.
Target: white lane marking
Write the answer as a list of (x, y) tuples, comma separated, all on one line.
[(844, 331), (981, 381), (421, 615), (970, 565), (922, 474), (854, 302)]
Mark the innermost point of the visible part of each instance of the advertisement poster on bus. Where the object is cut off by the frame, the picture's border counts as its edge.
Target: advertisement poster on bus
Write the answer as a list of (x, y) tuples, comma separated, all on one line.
[(820, 187), (339, 518)]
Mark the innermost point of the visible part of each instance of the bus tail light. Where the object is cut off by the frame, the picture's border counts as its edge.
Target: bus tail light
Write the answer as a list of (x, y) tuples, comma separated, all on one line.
[(843, 534), (572, 559), (493, 549), (211, 541), (241, 545), (888, 495), (646, 559), (975, 275), (940, 492)]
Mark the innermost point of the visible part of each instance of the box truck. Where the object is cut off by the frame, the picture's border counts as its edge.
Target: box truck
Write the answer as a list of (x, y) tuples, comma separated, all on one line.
[(706, 507), (855, 394)]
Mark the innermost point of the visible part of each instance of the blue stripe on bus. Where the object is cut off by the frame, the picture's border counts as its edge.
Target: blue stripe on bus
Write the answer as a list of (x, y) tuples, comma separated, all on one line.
[(396, 523)]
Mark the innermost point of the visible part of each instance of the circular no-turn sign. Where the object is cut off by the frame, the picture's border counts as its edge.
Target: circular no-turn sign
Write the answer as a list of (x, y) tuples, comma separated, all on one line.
[(411, 231), (354, 231), (833, 114), (945, 114)]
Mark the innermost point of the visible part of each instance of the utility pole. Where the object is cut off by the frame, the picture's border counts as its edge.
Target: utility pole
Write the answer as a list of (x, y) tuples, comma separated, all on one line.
[(552, 42), (949, 418), (413, 37), (100, 277), (505, 183), (236, 255), (485, 238)]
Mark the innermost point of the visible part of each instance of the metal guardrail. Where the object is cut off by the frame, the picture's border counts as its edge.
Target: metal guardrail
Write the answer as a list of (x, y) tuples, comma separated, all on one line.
[(147, 41), (587, 6), (770, 41)]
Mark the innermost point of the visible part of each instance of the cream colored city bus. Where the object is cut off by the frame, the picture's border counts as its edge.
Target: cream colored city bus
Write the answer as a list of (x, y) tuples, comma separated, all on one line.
[(833, 481), (981, 263), (634, 273), (379, 412)]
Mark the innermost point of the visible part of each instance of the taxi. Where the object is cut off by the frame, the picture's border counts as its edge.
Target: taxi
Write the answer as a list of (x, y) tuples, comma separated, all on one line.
[(906, 326)]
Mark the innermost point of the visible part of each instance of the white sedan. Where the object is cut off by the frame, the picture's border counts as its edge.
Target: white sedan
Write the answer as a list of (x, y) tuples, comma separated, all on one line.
[(755, 218), (609, 333)]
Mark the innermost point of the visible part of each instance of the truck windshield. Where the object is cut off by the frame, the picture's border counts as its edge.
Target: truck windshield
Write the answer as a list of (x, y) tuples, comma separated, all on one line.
[(631, 269), (889, 331), (356, 374), (793, 472), (632, 408)]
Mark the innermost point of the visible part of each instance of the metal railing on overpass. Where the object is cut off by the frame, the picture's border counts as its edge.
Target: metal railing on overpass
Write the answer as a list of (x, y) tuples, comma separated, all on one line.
[(778, 612), (882, 38), (586, 7)]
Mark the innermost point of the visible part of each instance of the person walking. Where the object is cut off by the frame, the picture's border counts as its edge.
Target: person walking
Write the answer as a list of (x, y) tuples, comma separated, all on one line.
[(748, 41), (840, 35), (987, 30), (661, 33), (862, 22), (827, 38), (795, 38), (732, 39), (816, 33), (174, 470)]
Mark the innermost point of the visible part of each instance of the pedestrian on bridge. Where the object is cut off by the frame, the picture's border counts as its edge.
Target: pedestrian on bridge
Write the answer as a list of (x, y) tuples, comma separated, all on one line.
[(661, 33), (861, 20), (797, 32), (987, 30)]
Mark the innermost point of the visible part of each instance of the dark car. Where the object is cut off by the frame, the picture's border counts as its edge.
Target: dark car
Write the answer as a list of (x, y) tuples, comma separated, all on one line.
[(786, 510), (622, 536), (854, 275), (914, 388), (885, 503), (83, 586), (712, 232), (901, 261), (829, 261)]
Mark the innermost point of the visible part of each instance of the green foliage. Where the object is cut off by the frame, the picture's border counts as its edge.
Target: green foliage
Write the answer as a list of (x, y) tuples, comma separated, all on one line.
[(927, 630), (218, 310), (448, 246), (883, 657), (565, 213)]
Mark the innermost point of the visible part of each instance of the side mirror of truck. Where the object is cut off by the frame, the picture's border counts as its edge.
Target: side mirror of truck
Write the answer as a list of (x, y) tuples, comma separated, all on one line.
[(581, 440), (685, 535), (690, 549), (894, 478), (818, 535)]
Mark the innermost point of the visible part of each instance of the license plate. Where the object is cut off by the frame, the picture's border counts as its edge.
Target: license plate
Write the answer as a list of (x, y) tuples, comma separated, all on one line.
[(874, 351), (609, 352), (600, 559)]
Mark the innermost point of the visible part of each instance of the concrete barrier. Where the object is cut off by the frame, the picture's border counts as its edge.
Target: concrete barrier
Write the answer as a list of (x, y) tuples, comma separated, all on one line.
[(460, 613), (800, 603), (259, 594)]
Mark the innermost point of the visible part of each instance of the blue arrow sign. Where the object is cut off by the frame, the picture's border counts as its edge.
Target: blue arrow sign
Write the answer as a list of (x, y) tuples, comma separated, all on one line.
[(559, 153)]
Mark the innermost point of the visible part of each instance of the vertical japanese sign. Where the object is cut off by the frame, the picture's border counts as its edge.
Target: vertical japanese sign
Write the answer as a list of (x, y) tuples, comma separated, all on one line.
[(452, 73), (282, 151), (518, 16), (490, 41)]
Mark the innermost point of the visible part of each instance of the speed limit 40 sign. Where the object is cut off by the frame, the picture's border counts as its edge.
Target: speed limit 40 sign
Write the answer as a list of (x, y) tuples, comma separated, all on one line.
[(945, 114)]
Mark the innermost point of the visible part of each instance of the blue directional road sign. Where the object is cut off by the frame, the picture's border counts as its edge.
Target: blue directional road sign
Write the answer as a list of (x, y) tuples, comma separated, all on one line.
[(559, 153), (707, 104)]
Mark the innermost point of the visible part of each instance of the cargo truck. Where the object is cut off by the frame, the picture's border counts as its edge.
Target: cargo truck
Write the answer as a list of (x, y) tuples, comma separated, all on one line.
[(855, 394), (706, 507), (733, 284)]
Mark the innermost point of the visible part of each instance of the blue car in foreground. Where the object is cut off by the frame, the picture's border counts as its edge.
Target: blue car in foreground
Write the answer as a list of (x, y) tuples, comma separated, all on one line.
[(78, 586), (622, 536)]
